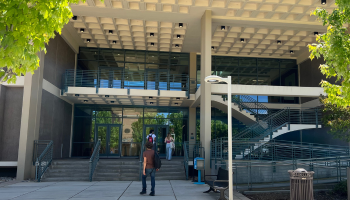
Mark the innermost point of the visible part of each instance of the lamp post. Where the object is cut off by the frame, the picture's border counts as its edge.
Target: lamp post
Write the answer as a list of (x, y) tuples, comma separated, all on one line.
[(218, 79)]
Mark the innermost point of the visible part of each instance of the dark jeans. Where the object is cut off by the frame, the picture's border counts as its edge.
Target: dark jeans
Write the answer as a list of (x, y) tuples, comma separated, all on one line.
[(152, 173)]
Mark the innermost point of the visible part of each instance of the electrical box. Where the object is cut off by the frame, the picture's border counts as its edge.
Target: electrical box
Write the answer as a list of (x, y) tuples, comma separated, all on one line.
[(199, 163)]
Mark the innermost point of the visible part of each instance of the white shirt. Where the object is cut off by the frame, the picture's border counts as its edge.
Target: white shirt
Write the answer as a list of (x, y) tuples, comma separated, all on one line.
[(153, 136)]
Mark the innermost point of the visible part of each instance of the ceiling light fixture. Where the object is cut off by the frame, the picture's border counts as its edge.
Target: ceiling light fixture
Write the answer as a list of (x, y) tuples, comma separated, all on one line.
[(107, 96), (151, 34), (291, 52), (150, 97), (279, 42), (110, 32), (178, 36), (212, 48), (82, 30), (242, 39), (223, 28), (150, 102), (88, 40), (114, 42), (112, 101), (176, 103), (315, 33), (181, 25), (152, 44), (85, 101), (76, 95), (176, 45), (74, 17), (177, 98), (323, 2)]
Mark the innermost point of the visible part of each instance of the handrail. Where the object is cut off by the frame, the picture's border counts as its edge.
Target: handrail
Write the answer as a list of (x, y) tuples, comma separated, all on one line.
[(95, 157), (186, 160), (120, 79), (43, 161)]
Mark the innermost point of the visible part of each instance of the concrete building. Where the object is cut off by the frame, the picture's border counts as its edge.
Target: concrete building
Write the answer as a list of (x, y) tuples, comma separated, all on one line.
[(122, 68)]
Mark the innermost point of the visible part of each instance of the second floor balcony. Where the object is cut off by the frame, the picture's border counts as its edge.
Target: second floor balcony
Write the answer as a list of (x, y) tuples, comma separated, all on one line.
[(119, 82)]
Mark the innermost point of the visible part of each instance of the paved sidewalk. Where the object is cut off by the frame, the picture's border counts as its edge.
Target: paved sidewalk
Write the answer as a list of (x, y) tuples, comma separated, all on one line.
[(107, 190)]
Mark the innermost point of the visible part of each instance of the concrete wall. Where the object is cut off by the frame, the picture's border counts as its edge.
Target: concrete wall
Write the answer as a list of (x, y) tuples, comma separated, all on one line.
[(58, 58), (56, 114), (55, 123), (311, 76), (11, 99)]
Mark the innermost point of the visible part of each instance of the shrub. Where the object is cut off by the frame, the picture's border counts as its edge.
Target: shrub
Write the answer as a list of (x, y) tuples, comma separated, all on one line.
[(341, 188)]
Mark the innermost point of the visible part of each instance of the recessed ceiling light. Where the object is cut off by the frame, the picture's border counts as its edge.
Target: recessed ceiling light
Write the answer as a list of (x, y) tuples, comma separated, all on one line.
[(110, 32), (223, 28), (177, 98), (176, 103), (88, 40), (181, 25), (279, 42), (152, 44), (242, 39), (82, 30), (85, 101), (107, 96), (150, 102), (74, 17), (112, 101), (176, 45), (151, 34), (114, 42), (291, 52), (178, 36), (150, 97), (323, 2), (76, 95), (212, 48), (315, 33)]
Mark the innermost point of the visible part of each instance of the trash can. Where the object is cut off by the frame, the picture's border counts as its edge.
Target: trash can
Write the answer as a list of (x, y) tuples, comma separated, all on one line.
[(301, 184)]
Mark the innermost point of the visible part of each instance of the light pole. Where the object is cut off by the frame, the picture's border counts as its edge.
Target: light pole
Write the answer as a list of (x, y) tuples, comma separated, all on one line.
[(218, 79)]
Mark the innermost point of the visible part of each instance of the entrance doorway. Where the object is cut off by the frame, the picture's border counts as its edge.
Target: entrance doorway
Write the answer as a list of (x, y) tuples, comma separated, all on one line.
[(110, 136), (161, 132)]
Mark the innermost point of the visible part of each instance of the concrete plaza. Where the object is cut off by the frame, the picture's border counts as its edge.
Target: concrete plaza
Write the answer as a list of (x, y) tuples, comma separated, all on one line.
[(107, 190)]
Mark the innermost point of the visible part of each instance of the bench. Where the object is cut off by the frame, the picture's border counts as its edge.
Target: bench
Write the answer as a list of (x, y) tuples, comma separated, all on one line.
[(220, 184)]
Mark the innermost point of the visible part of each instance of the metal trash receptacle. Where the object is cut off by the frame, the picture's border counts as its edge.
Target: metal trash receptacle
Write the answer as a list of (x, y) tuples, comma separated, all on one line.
[(301, 184)]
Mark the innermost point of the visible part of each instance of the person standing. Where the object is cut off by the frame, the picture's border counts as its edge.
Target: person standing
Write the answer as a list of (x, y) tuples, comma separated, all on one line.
[(168, 141), (151, 137), (148, 168)]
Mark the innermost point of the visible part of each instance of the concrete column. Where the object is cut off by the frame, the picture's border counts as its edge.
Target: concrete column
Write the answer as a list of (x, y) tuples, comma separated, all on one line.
[(30, 121), (205, 98), (192, 125), (193, 72), (2, 108)]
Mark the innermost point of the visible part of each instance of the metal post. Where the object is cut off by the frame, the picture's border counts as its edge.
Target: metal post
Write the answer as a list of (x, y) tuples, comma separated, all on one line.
[(316, 119), (348, 181), (288, 118), (229, 123)]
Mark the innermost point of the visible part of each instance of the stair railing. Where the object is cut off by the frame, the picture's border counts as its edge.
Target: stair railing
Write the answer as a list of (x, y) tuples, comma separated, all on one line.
[(43, 161), (186, 159), (95, 157)]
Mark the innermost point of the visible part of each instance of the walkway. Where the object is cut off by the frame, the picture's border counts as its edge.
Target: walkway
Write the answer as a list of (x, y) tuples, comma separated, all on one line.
[(123, 190)]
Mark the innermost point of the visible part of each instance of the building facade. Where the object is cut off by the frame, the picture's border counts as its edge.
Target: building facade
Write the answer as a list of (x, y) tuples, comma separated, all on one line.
[(122, 68)]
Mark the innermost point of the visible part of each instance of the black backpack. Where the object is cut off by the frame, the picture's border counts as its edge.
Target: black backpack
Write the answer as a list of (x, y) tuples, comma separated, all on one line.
[(157, 161)]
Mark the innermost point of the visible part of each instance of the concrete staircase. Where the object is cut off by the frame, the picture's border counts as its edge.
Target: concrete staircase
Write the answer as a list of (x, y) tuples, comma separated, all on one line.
[(117, 170), (67, 170)]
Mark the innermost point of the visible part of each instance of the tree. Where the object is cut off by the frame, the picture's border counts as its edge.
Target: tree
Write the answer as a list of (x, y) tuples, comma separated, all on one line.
[(334, 47), (25, 27)]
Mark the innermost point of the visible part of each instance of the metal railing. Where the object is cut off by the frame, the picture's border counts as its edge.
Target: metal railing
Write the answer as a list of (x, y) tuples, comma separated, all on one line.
[(261, 174), (191, 150), (274, 150), (95, 157), (279, 119), (109, 78), (43, 161), (39, 147)]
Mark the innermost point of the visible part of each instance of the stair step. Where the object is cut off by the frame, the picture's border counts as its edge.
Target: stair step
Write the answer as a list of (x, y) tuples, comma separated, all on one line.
[(50, 174), (56, 179)]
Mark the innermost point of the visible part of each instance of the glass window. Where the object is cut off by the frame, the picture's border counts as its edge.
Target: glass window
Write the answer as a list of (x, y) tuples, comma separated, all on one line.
[(135, 56), (111, 55), (88, 53), (179, 59), (248, 75)]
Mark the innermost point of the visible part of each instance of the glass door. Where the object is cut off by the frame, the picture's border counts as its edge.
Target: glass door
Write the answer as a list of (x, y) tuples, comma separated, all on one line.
[(110, 136), (162, 132)]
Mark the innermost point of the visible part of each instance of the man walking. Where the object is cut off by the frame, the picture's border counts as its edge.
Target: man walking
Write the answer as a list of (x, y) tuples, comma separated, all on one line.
[(148, 168), (152, 139)]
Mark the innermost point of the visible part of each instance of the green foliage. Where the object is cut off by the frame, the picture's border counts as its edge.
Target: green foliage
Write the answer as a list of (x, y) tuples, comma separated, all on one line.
[(334, 47), (341, 188), (337, 118), (25, 27)]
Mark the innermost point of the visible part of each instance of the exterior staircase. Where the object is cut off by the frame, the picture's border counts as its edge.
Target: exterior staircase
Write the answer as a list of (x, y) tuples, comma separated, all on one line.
[(117, 170), (67, 170)]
